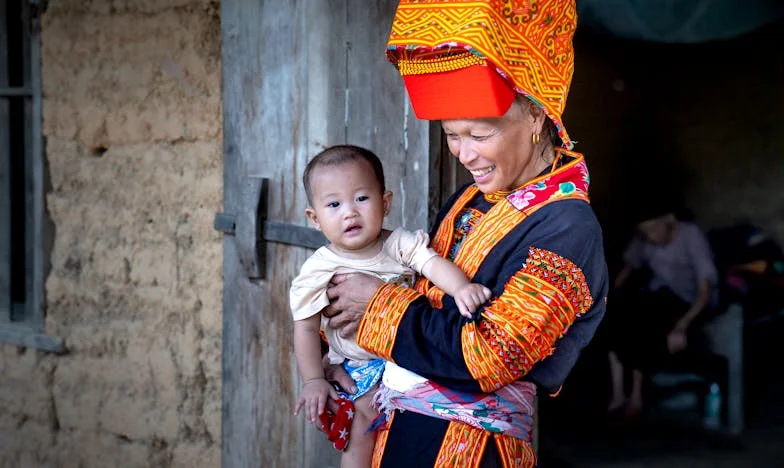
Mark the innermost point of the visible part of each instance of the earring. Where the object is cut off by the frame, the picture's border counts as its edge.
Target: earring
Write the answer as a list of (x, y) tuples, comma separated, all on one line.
[(535, 138)]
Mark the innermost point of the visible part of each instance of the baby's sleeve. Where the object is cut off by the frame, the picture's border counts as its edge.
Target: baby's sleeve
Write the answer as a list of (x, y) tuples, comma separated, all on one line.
[(410, 248), (308, 292)]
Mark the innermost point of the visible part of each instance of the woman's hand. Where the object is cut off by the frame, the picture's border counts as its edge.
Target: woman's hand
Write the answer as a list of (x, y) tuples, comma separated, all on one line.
[(349, 295), (336, 373)]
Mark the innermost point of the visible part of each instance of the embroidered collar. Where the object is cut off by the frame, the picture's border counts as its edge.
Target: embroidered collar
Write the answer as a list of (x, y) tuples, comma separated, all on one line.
[(571, 180), (496, 197)]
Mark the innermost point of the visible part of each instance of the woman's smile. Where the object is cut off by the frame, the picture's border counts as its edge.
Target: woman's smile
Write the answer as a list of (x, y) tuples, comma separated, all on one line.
[(482, 172)]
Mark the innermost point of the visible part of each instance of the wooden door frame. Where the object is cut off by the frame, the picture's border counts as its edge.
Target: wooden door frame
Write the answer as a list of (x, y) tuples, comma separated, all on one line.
[(286, 71)]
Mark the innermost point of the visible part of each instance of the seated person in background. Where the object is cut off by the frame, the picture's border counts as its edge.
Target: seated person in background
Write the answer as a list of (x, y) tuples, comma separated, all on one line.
[(650, 323)]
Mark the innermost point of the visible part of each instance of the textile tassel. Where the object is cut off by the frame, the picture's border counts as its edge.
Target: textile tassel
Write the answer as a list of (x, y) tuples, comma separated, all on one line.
[(383, 400)]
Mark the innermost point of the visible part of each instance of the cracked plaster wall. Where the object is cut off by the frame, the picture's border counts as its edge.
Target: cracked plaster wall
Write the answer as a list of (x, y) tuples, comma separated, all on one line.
[(132, 121)]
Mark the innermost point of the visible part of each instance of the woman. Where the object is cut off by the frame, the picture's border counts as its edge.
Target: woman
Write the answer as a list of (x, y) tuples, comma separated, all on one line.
[(667, 282), (497, 78)]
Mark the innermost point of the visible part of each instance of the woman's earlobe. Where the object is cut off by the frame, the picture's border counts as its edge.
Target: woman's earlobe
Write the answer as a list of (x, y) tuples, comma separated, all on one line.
[(538, 117)]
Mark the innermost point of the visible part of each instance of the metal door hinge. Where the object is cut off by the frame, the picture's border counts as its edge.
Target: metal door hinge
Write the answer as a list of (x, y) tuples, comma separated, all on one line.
[(252, 230), (225, 223)]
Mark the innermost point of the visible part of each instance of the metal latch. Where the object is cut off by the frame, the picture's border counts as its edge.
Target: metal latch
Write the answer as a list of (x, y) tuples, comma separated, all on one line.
[(252, 230)]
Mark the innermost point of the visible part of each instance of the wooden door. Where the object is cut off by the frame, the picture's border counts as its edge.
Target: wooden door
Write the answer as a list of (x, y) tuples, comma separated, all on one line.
[(297, 77)]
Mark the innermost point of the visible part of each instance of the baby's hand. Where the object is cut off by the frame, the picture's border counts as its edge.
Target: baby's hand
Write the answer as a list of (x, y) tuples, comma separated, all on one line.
[(314, 398), (469, 297)]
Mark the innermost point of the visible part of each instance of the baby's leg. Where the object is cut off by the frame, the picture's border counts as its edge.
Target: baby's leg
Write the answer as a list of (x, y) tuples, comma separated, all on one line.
[(359, 452)]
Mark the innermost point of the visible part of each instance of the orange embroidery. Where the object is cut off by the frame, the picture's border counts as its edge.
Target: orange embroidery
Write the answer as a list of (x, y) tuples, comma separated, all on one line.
[(381, 444), (464, 224), (378, 328), (462, 446), (515, 453), (562, 273), (436, 297), (439, 64), (529, 42), (520, 327), (492, 227), (442, 241), (483, 363)]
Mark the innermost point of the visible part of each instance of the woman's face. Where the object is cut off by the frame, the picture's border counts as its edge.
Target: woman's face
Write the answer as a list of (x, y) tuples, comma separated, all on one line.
[(498, 152)]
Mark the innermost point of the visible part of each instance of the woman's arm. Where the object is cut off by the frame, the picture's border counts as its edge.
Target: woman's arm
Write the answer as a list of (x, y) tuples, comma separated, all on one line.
[(551, 276), (699, 304)]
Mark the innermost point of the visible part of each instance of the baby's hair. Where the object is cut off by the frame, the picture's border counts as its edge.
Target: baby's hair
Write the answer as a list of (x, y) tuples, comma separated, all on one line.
[(340, 154)]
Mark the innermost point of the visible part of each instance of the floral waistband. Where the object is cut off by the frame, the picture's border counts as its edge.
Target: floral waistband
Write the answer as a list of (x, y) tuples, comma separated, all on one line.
[(508, 411)]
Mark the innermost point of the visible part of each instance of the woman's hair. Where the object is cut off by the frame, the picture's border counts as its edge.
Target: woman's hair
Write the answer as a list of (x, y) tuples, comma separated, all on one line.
[(552, 132), (340, 154), (548, 130)]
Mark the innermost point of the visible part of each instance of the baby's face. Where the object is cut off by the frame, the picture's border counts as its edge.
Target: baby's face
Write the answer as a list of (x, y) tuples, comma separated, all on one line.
[(348, 205)]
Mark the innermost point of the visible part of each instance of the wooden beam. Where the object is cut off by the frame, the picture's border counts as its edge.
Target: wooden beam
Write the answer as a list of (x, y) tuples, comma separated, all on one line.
[(6, 92)]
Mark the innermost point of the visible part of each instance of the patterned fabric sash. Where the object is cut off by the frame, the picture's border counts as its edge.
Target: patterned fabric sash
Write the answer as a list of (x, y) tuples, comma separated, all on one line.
[(508, 411)]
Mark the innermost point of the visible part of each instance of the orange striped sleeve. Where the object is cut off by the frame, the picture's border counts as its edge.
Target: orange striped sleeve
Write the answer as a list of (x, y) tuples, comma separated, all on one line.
[(521, 326), (379, 325)]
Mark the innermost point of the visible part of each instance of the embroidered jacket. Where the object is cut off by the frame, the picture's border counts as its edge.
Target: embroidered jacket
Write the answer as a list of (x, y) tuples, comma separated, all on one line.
[(539, 249)]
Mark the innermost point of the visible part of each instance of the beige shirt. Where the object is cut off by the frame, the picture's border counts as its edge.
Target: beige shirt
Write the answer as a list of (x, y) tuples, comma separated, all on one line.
[(403, 254)]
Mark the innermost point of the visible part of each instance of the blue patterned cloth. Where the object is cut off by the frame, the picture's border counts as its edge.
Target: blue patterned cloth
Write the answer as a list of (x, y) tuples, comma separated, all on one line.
[(365, 376)]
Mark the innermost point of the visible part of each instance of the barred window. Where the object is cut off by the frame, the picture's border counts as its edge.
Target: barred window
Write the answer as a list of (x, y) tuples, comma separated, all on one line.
[(22, 256)]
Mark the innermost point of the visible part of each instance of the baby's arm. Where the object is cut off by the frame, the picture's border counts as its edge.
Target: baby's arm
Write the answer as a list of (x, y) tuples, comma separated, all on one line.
[(307, 349), (447, 276)]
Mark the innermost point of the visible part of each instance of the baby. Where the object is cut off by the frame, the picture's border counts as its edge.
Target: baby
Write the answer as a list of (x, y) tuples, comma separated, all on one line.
[(348, 202)]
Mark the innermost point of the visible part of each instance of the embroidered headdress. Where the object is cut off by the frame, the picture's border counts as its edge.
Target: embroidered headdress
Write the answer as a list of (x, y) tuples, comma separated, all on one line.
[(468, 59)]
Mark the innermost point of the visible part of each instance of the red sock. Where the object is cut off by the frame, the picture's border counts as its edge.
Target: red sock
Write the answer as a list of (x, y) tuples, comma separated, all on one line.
[(337, 425)]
